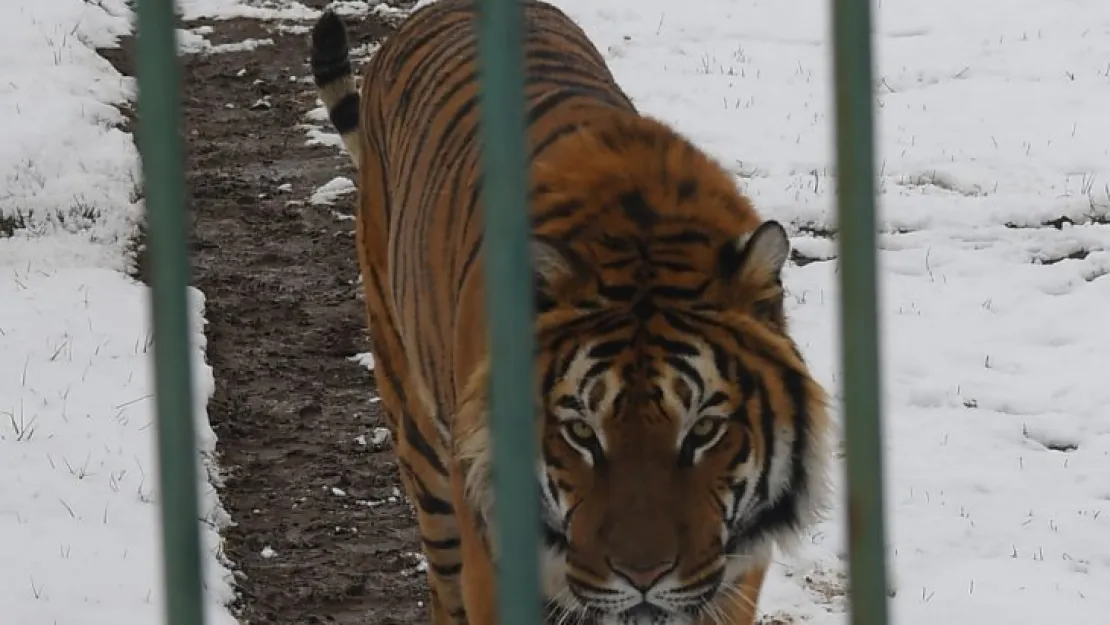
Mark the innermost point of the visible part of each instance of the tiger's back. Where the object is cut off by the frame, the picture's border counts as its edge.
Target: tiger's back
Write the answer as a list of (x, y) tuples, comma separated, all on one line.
[(634, 231), (421, 124)]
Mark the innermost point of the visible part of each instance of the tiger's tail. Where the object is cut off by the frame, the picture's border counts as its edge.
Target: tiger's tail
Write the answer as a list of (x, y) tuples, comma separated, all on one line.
[(335, 81)]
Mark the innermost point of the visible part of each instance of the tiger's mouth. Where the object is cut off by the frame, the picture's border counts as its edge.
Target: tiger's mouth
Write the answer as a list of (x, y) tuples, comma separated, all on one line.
[(667, 604), (648, 613), (644, 613)]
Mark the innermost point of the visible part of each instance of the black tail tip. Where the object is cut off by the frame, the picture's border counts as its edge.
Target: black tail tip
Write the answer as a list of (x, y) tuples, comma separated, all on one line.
[(329, 34)]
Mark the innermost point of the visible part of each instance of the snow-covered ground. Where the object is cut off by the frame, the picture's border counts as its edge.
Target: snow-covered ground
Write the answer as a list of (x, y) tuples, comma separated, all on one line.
[(79, 534), (992, 122)]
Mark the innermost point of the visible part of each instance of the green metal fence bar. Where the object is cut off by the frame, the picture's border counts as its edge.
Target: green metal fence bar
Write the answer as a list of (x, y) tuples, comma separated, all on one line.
[(508, 270), (855, 162), (161, 147)]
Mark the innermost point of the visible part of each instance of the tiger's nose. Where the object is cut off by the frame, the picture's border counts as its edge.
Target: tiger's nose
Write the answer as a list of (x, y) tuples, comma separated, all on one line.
[(643, 577)]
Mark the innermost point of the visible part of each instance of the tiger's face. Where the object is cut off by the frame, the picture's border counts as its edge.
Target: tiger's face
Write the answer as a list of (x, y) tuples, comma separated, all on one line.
[(682, 435), (678, 442)]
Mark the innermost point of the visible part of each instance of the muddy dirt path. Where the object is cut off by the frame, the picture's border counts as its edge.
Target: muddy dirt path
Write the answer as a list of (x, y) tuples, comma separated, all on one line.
[(284, 321), (292, 410)]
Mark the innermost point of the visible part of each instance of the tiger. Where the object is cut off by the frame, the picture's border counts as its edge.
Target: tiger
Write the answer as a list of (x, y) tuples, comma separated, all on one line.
[(682, 436)]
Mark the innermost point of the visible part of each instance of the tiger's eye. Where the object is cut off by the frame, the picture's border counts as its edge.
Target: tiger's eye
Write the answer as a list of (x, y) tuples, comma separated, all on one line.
[(580, 430), (704, 434), (705, 427)]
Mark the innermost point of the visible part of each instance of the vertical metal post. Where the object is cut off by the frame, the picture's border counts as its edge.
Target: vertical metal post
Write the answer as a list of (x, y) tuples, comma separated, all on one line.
[(509, 306), (507, 263), (855, 162), (161, 147)]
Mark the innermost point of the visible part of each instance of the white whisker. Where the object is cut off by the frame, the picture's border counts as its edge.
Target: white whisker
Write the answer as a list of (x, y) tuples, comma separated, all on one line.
[(737, 597), (715, 613)]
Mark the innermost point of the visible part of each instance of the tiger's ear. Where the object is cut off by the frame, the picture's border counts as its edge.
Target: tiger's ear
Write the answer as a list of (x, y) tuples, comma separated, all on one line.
[(557, 272), (550, 262), (757, 259)]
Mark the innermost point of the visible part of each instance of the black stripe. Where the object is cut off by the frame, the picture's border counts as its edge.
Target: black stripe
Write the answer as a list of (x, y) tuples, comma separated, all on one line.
[(459, 616), (553, 538), (676, 320), (607, 349), (685, 237), (327, 71), (739, 490), (471, 257), (795, 390), (767, 418), (682, 294), (427, 502), (561, 210), (445, 570), (582, 584), (415, 438), (470, 216), (674, 266), (541, 146), (442, 544), (344, 115), (620, 264), (675, 348), (597, 93), (548, 103), (601, 322), (688, 370), (618, 292), (715, 399), (611, 323)]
